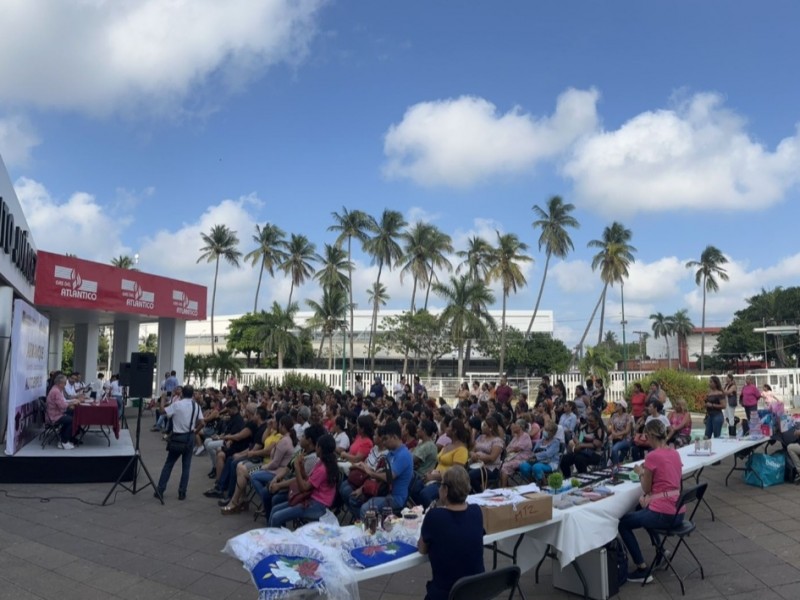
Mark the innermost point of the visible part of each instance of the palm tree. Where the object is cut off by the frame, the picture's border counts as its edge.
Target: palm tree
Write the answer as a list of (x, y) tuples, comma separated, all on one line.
[(597, 361), (613, 262), (439, 246), (462, 295), (123, 261), (662, 327), (350, 224), (330, 315), (554, 238), (220, 242), (385, 250), (476, 261), (376, 296), (709, 267), (299, 262), (278, 331), (335, 269), (269, 253), (506, 268), (223, 364), (682, 327), (417, 254), (191, 363)]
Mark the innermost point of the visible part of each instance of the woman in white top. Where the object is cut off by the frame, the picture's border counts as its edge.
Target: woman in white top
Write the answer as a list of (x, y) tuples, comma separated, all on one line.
[(115, 391), (340, 435)]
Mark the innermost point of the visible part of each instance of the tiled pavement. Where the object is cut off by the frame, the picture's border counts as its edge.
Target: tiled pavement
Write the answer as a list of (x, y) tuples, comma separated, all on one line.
[(136, 549)]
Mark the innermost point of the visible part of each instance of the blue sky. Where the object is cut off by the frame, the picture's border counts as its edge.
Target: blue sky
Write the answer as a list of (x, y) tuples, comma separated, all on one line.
[(129, 127)]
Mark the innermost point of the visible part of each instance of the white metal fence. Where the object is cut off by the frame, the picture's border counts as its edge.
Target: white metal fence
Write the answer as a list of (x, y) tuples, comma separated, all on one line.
[(784, 382)]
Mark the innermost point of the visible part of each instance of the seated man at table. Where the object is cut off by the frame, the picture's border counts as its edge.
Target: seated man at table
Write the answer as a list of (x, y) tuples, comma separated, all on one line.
[(59, 411), (452, 535), (397, 475)]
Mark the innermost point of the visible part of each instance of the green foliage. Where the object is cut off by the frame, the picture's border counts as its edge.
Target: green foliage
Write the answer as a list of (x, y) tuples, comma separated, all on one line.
[(677, 385), (538, 354), (67, 354), (598, 361), (421, 334), (245, 335), (149, 343), (555, 481)]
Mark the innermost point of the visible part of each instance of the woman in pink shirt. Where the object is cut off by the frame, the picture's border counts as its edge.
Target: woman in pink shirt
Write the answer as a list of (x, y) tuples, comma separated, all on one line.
[(750, 396), (661, 483), (321, 482)]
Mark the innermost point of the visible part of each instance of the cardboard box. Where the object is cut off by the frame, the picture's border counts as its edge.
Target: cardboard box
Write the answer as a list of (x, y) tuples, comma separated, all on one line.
[(535, 509)]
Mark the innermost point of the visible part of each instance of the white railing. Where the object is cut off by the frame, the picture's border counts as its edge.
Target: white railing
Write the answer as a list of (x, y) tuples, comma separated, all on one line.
[(784, 382)]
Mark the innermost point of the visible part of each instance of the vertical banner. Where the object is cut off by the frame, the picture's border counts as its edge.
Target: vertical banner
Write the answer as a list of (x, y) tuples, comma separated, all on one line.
[(28, 381)]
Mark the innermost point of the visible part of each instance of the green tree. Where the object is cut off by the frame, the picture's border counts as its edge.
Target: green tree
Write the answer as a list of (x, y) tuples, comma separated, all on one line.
[(440, 245), (269, 253), (220, 242), (613, 260), (330, 316), (709, 268), (223, 364), (68, 351), (149, 343), (350, 224), (377, 295), (278, 330), (299, 262), (462, 295), (536, 354), (597, 361), (554, 238), (245, 336), (123, 261), (476, 261), (506, 267), (384, 248), (682, 326), (335, 269), (662, 327), (420, 332)]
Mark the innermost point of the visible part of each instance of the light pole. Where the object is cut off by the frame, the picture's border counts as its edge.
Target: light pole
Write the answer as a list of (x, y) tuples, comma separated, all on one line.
[(624, 343), (641, 335)]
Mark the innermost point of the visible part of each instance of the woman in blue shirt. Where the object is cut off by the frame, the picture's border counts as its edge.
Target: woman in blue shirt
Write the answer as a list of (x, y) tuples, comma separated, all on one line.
[(452, 535)]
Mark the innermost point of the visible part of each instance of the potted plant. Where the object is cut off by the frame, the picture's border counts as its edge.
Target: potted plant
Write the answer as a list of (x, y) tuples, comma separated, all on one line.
[(556, 482), (575, 483)]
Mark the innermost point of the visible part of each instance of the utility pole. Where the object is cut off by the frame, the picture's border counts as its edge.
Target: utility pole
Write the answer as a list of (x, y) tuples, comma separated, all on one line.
[(641, 335), (624, 343)]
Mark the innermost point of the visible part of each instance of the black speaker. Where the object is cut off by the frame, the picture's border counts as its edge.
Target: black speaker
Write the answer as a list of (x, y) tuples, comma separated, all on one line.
[(142, 366), (124, 374)]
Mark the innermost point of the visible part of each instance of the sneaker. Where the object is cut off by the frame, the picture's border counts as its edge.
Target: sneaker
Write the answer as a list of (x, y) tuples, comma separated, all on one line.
[(639, 576), (213, 493), (65, 446), (199, 450), (212, 474), (661, 564)]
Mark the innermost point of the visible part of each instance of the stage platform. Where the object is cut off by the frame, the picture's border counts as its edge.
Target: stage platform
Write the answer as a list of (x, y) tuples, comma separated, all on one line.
[(92, 462)]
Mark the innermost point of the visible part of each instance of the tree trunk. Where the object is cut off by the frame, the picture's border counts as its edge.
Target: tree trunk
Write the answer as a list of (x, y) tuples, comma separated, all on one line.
[(602, 315), (468, 354), (539, 297), (669, 356), (375, 303), (413, 299), (319, 353), (258, 286), (703, 332), (330, 351), (291, 291), (350, 270), (280, 358), (591, 320), (428, 290), (213, 302), (503, 334), (461, 360)]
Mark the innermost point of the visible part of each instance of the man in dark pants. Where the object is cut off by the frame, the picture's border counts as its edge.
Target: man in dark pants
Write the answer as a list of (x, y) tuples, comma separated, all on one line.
[(186, 416)]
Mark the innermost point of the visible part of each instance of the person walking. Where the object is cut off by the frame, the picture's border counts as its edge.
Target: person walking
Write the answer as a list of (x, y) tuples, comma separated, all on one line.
[(186, 417)]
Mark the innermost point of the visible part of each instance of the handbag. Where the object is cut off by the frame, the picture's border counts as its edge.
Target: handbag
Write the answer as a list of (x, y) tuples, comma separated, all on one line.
[(297, 497), (181, 442), (374, 487), (357, 477)]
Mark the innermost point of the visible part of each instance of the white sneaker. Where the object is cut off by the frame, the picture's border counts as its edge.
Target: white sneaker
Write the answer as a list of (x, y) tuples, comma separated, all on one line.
[(199, 450), (65, 446)]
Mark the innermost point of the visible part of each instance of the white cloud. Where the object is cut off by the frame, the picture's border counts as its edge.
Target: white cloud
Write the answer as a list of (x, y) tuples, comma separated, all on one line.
[(697, 155), (80, 225), (463, 141), (573, 276), (17, 140), (660, 279), (100, 55)]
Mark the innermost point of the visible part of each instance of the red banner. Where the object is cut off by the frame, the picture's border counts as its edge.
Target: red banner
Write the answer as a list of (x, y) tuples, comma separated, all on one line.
[(68, 282)]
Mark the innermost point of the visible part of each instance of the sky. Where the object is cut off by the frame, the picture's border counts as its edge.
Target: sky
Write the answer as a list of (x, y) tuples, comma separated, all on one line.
[(131, 126)]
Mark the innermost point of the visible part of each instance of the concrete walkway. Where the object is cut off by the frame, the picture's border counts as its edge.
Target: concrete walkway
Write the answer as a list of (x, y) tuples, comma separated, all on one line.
[(63, 549)]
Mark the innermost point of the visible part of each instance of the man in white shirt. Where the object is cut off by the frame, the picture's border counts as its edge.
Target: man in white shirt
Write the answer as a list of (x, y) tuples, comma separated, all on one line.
[(399, 389), (187, 417)]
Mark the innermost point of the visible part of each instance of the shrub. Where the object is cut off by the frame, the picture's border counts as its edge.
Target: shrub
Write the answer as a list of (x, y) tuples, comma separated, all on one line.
[(292, 381), (555, 481), (676, 385)]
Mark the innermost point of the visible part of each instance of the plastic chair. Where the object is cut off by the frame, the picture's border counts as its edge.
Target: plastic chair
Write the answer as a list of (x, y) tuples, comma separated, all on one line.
[(486, 586), (682, 531)]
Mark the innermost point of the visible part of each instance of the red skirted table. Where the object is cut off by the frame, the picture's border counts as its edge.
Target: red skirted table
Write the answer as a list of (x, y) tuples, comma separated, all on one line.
[(104, 414)]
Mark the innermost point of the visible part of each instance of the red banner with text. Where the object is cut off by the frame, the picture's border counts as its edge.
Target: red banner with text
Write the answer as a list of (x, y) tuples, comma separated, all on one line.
[(69, 282)]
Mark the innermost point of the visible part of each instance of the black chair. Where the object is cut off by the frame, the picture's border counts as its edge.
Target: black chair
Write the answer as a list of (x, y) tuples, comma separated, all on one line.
[(51, 432), (682, 530), (487, 586)]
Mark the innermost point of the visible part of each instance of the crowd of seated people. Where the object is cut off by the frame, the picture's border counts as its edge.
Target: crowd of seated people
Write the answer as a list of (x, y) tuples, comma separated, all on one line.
[(294, 453)]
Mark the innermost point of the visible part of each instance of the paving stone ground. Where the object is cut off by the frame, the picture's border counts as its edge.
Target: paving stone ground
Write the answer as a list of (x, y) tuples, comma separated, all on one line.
[(136, 549)]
